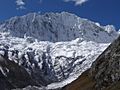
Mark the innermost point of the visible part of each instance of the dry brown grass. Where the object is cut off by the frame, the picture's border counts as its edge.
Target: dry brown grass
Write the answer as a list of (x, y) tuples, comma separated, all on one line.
[(84, 82), (116, 86)]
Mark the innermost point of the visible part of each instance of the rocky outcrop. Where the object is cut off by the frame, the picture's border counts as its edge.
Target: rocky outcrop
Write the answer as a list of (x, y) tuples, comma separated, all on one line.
[(106, 69), (14, 76)]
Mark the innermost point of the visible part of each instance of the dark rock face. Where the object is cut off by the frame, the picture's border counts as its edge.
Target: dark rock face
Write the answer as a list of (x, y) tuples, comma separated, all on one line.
[(106, 69), (13, 76)]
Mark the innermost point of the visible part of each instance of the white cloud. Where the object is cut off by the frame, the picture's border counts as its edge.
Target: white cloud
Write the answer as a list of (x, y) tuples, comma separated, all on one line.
[(77, 2), (20, 8), (20, 4)]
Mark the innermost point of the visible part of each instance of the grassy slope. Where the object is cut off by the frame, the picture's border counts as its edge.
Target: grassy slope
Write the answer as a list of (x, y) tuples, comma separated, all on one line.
[(84, 82), (114, 87)]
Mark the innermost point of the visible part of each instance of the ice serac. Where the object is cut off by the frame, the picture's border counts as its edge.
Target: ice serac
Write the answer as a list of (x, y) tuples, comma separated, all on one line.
[(56, 47)]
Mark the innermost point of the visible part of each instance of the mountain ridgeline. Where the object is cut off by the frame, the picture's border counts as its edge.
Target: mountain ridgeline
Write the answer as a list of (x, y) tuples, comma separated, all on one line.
[(56, 27)]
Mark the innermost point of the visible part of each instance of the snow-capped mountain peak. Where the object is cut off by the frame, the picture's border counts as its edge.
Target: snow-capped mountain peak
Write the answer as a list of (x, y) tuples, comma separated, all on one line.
[(55, 27), (55, 46)]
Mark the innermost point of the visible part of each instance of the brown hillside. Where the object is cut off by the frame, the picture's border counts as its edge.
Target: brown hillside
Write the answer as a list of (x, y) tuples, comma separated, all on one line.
[(84, 82)]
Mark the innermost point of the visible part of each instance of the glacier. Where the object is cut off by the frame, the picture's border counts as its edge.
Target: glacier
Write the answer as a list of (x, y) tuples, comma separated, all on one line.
[(56, 47)]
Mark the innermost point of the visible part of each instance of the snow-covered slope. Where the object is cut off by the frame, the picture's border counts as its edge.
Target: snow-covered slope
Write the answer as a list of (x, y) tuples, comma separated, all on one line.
[(55, 46)]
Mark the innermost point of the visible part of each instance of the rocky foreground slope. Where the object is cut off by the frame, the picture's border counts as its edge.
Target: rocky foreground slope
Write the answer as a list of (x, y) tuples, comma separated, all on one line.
[(104, 73), (54, 48), (106, 69)]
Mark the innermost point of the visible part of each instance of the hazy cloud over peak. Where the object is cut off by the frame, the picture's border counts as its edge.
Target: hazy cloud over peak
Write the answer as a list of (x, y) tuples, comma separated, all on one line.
[(20, 4)]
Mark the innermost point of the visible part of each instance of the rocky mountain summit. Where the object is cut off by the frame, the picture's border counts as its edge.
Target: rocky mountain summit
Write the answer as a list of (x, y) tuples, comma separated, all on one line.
[(57, 27), (54, 48)]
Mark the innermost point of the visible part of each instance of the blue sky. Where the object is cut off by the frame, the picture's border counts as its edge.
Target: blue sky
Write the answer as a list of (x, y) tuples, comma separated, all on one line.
[(102, 11)]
